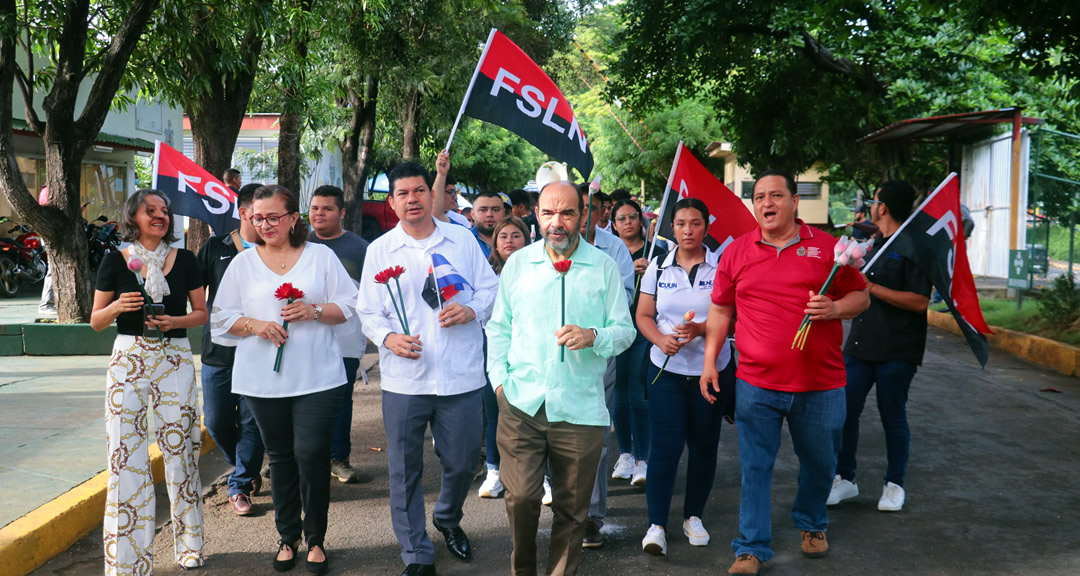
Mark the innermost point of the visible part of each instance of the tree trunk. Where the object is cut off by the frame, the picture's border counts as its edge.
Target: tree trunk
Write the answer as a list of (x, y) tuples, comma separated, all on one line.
[(214, 130), (410, 112), (291, 122), (358, 150), (290, 131), (66, 139)]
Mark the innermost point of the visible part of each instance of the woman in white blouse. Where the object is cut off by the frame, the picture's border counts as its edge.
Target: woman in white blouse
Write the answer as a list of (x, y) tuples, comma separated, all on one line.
[(295, 407), (674, 286)]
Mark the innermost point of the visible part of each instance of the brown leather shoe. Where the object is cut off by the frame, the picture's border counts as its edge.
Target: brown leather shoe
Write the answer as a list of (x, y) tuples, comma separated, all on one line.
[(241, 504), (814, 544), (745, 565)]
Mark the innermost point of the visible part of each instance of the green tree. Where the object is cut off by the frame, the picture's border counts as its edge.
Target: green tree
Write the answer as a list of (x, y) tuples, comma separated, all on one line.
[(205, 57), (64, 44), (800, 82)]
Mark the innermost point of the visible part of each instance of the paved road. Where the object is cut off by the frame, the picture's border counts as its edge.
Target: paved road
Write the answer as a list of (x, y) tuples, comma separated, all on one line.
[(991, 491)]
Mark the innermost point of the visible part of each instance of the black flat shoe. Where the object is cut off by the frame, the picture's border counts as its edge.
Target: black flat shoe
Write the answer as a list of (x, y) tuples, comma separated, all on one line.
[(419, 570), (456, 541), (318, 567), (285, 565)]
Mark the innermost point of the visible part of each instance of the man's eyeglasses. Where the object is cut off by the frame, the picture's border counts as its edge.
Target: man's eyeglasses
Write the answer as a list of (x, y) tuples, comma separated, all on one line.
[(272, 220), (630, 218), (873, 201)]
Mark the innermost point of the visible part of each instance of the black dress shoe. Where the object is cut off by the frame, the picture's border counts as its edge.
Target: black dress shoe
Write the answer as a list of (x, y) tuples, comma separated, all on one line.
[(285, 565), (456, 540), (318, 567), (419, 570)]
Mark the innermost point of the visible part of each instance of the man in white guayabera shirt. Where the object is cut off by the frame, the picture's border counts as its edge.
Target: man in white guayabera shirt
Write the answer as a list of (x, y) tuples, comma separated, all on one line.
[(431, 360)]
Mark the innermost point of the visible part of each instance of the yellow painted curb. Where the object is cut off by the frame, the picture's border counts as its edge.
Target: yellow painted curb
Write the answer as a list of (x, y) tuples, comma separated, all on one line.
[(1054, 355), (53, 527)]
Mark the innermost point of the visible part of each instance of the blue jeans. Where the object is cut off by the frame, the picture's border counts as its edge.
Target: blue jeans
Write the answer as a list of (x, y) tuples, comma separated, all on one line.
[(893, 382), (341, 442), (231, 424), (816, 421), (681, 416), (631, 413)]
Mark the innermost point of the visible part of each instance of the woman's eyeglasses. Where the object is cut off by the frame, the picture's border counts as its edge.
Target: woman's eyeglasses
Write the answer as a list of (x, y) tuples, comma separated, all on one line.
[(630, 218), (272, 220)]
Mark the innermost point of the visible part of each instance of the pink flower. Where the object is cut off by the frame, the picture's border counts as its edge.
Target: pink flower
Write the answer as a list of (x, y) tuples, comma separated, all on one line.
[(135, 264), (840, 247)]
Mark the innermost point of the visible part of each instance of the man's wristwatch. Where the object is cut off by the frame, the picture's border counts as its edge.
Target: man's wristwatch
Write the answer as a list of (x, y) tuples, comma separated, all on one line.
[(595, 334), (318, 311)]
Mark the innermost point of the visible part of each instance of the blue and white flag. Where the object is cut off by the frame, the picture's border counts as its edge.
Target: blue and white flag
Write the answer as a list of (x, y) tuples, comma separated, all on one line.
[(443, 282)]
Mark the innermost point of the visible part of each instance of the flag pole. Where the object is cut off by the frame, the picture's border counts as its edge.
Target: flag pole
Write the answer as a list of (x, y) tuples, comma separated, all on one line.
[(468, 93), (435, 278), (663, 203), (157, 155), (896, 234)]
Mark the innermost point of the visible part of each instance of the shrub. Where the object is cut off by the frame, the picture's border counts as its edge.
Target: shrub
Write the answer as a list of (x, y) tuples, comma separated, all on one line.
[(1060, 305)]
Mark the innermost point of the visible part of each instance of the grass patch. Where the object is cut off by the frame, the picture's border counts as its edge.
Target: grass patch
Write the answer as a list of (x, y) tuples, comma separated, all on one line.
[(1028, 319)]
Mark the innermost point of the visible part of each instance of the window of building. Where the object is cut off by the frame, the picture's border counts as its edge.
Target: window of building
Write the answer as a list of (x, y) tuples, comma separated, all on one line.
[(105, 187)]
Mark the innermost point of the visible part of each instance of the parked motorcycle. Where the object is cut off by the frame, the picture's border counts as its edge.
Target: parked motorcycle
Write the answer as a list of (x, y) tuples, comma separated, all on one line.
[(102, 237), (22, 259)]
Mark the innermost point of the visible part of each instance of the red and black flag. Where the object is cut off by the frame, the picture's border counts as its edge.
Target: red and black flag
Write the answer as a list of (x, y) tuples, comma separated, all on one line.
[(937, 245), (689, 178), (510, 90), (194, 192)]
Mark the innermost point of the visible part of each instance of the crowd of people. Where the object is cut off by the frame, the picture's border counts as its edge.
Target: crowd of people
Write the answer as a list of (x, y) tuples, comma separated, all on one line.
[(525, 330)]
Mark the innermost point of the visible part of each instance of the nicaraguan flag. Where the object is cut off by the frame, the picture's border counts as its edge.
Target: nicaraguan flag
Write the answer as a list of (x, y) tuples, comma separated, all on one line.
[(443, 282)]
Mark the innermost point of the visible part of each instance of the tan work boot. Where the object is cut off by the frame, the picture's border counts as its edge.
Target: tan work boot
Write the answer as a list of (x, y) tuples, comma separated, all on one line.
[(745, 565), (814, 544)]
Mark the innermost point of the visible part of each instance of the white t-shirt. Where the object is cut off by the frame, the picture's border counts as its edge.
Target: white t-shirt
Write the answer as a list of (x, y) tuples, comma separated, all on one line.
[(675, 295), (312, 358)]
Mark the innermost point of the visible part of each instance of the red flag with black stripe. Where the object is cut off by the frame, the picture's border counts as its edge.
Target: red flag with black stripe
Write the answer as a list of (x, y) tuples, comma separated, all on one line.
[(689, 178), (193, 191), (510, 90), (937, 246)]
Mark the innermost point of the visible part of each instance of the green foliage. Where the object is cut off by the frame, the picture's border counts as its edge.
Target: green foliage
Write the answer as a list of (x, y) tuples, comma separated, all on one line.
[(1060, 305), (492, 158), (800, 82)]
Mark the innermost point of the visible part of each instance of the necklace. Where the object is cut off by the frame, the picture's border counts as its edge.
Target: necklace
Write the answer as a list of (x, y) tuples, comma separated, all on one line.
[(282, 266)]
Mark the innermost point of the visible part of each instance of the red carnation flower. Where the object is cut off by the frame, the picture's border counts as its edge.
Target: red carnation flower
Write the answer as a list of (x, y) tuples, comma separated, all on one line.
[(287, 292), (390, 273), (563, 267)]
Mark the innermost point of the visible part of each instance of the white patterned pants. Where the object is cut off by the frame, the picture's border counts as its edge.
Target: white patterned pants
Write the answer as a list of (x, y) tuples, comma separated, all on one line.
[(142, 376)]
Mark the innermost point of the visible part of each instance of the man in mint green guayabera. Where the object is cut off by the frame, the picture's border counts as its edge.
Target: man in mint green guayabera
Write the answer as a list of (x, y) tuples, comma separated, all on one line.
[(553, 408)]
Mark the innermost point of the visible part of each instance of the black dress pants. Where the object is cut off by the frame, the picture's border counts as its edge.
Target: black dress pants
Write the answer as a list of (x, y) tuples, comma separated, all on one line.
[(296, 432)]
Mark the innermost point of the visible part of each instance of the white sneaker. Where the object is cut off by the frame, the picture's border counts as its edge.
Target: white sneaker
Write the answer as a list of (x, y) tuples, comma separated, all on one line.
[(624, 468), (547, 493), (892, 498), (695, 532), (655, 541), (640, 471), (492, 487), (841, 490)]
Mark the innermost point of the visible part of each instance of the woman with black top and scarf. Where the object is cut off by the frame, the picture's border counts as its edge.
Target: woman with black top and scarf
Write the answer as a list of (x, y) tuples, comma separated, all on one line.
[(151, 369)]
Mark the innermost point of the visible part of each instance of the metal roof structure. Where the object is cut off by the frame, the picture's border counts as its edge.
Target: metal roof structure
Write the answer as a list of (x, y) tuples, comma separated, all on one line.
[(941, 128), (104, 139)]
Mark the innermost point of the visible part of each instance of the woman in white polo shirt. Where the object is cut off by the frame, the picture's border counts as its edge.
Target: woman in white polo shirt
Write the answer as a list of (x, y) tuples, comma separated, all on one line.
[(672, 287)]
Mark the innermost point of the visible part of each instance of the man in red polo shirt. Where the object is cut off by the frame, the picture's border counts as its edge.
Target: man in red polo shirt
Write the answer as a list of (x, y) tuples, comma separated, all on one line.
[(771, 277)]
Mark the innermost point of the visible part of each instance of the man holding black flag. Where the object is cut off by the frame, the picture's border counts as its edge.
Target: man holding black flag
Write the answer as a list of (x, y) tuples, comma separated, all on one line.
[(885, 346)]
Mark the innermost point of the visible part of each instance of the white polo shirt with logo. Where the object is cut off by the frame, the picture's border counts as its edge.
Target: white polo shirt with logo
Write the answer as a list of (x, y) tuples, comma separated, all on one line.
[(677, 291)]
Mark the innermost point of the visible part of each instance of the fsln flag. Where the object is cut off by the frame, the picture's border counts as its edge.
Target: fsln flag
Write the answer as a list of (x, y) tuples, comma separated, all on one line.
[(443, 282), (194, 192), (689, 178), (936, 244), (510, 90)]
